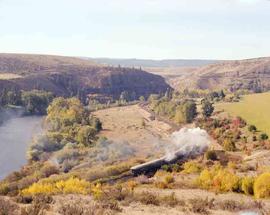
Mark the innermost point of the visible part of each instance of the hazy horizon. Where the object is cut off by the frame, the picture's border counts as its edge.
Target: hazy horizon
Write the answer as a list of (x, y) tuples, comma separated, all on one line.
[(145, 29)]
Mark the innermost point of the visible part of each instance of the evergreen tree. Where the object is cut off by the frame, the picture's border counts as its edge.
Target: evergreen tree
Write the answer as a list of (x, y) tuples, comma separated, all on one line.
[(207, 108)]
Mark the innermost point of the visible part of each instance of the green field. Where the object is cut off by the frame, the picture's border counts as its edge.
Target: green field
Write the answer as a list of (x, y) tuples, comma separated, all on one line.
[(254, 108)]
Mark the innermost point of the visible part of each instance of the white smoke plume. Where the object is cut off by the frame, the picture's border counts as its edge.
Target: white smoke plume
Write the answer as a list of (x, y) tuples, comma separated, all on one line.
[(187, 142)]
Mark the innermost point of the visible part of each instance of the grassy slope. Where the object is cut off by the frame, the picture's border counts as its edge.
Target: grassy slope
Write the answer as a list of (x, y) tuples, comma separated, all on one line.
[(253, 108)]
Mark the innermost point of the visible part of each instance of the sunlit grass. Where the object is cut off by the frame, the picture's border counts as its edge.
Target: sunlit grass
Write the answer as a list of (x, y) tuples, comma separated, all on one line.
[(7, 76), (254, 108)]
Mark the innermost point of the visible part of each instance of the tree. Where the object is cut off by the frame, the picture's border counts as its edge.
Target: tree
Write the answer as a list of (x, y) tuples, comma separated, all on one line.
[(86, 135), (153, 97), (142, 99), (186, 112), (263, 136), (189, 111), (207, 108), (14, 97), (211, 155), (213, 95), (3, 97), (169, 93), (96, 123), (179, 116), (124, 96), (143, 124), (36, 101), (252, 128), (222, 94), (65, 112)]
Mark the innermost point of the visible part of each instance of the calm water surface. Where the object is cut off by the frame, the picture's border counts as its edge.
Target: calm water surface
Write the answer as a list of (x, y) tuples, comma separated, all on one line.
[(15, 136)]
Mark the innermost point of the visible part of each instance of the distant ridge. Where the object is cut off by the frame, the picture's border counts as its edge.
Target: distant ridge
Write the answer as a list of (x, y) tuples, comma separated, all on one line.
[(249, 74), (133, 62)]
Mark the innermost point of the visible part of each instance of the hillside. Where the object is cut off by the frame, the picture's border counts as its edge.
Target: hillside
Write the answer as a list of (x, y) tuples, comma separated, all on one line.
[(67, 76), (96, 179), (251, 74)]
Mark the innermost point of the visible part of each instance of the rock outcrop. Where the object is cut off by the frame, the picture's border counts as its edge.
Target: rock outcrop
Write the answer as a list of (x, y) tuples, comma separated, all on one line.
[(69, 76)]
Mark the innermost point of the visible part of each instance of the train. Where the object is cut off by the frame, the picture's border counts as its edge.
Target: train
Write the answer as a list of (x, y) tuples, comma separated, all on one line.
[(153, 165), (150, 166)]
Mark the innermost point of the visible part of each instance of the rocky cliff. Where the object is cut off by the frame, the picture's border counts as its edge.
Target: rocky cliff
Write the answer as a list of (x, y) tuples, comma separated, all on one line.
[(67, 76)]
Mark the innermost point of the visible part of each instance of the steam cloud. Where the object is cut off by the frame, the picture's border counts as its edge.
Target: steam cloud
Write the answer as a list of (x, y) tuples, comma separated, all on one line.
[(187, 142), (110, 150)]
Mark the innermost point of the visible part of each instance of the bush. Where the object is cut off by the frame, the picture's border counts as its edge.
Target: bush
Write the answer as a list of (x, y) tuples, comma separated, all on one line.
[(86, 135), (171, 168), (169, 179), (211, 155), (229, 145), (175, 167), (48, 170), (262, 186), (109, 171), (239, 122), (80, 208), (247, 185), (218, 179), (252, 128), (132, 184), (263, 136), (199, 206), (96, 123), (230, 205), (68, 165), (165, 167), (45, 143), (66, 154), (191, 167), (205, 180), (39, 205), (161, 185), (142, 179), (207, 108), (171, 200), (7, 207), (164, 180), (4, 189), (72, 185), (27, 181), (148, 198), (231, 165)]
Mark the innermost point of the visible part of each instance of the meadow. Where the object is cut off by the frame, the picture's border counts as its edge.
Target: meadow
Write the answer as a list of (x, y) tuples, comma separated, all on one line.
[(254, 108)]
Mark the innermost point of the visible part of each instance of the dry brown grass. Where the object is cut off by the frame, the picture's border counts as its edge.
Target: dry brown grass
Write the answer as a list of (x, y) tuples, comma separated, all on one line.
[(80, 207), (7, 207)]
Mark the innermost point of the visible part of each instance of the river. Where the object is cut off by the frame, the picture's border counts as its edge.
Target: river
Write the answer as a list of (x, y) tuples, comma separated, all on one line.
[(15, 136)]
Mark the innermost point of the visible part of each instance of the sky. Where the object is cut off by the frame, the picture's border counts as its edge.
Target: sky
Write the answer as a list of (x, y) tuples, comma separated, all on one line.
[(149, 29)]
